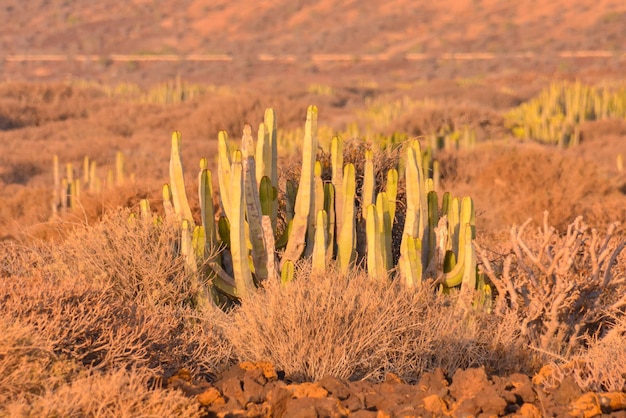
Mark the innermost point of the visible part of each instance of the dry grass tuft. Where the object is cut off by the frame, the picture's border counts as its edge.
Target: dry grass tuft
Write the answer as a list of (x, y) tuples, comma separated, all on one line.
[(68, 319), (510, 183), (138, 260), (117, 393), (602, 366), (356, 328), (28, 364), (93, 327)]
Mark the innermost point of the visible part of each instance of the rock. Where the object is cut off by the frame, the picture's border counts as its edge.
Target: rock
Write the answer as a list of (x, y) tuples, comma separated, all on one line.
[(277, 398), (211, 397), (307, 390), (268, 370), (252, 390), (393, 378), (237, 413), (523, 387), (364, 413), (301, 408), (374, 401), (255, 374), (474, 393), (434, 382), (587, 406), (435, 405), (468, 383), (567, 392), (232, 390), (330, 407), (354, 402), (258, 411), (466, 407), (545, 376), (335, 387), (528, 410), (612, 401)]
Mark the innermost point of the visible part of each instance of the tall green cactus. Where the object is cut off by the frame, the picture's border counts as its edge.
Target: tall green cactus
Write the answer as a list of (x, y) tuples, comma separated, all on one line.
[(223, 170), (253, 208), (329, 207), (238, 247), (177, 182), (385, 226), (321, 219), (368, 194), (391, 188), (321, 241), (336, 162), (410, 263), (346, 242), (304, 216), (374, 253)]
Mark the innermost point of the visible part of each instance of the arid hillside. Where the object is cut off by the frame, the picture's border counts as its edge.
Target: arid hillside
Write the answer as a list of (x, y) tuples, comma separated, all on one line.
[(397, 39)]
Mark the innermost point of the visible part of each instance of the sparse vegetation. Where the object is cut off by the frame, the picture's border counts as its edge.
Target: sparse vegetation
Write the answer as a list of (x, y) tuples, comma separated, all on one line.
[(121, 301), (554, 117)]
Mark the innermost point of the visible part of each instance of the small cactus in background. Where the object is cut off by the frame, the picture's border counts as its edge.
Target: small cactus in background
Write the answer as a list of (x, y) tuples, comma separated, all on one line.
[(555, 115), (66, 191)]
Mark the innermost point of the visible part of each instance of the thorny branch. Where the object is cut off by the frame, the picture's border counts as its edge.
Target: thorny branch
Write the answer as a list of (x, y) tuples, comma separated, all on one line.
[(562, 287)]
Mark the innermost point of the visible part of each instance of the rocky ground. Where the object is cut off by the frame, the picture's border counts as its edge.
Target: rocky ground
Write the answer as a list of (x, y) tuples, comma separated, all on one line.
[(258, 390)]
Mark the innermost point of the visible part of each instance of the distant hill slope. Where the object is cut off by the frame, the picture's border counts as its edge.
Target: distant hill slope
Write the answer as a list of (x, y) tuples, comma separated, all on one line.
[(244, 27)]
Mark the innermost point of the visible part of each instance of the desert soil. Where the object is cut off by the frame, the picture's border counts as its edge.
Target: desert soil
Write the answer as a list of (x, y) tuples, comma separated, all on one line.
[(508, 183), (258, 390)]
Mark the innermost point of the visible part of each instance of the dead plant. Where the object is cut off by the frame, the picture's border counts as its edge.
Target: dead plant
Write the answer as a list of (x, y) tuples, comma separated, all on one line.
[(563, 288)]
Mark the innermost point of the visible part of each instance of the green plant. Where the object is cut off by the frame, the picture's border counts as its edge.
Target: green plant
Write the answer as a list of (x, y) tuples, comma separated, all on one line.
[(66, 191), (555, 115), (331, 215)]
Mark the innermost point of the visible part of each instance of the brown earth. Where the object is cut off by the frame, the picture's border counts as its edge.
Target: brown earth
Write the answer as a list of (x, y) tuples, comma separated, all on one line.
[(258, 390), (509, 181), (245, 29)]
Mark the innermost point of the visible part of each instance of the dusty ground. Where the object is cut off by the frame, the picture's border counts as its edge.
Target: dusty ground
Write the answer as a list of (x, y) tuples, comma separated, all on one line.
[(257, 390), (509, 181)]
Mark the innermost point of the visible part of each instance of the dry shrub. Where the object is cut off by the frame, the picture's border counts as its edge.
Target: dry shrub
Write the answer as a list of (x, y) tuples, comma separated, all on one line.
[(28, 364), (24, 104), (88, 324), (509, 183), (108, 309), (602, 367), (354, 327), (563, 288), (117, 393), (450, 117), (139, 260)]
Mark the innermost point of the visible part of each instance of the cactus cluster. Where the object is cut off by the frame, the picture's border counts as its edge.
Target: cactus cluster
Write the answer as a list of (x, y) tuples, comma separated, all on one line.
[(66, 190), (448, 139), (555, 115), (173, 91), (232, 251)]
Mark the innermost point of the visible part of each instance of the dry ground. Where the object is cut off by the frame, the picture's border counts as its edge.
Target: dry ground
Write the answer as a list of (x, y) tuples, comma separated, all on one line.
[(65, 285)]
